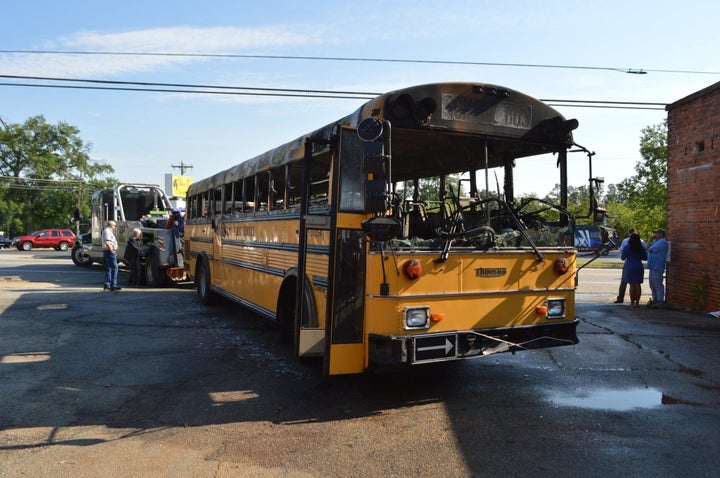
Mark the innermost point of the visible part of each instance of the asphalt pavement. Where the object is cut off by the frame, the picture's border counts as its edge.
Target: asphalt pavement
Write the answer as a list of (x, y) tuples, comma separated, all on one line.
[(147, 382)]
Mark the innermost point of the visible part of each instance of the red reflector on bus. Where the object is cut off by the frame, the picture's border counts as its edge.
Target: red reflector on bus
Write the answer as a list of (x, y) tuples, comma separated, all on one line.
[(437, 316), (412, 269), (561, 266)]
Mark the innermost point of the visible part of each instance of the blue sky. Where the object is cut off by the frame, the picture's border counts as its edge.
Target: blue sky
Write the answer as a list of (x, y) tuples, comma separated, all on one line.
[(143, 134)]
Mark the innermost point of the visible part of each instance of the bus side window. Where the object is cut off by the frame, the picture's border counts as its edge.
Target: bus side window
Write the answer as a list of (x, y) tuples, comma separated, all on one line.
[(294, 179), (197, 206), (320, 181), (261, 194), (217, 201), (188, 206), (237, 197), (277, 189), (249, 195), (205, 204), (228, 203), (191, 207)]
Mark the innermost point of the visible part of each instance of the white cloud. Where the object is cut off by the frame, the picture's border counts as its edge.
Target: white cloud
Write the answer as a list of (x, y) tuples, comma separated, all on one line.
[(192, 40), (216, 40)]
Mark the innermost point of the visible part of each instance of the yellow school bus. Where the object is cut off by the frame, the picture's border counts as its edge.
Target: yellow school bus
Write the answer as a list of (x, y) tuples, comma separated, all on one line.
[(384, 238)]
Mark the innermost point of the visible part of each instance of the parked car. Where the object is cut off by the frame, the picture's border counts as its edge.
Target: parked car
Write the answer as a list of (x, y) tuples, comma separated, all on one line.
[(5, 243), (58, 239)]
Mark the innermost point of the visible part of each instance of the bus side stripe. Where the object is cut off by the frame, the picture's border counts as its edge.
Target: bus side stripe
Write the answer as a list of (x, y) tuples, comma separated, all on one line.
[(255, 267), (201, 239), (288, 247), (473, 294)]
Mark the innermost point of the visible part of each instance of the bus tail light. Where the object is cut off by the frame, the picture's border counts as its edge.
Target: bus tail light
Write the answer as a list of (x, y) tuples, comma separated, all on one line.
[(561, 266), (412, 269), (416, 317)]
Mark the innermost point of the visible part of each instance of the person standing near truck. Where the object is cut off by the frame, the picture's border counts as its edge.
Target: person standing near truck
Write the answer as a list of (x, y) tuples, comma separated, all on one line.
[(131, 256), (110, 247)]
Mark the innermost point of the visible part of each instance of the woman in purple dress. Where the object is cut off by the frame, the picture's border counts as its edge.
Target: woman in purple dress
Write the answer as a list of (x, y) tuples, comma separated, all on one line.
[(633, 254)]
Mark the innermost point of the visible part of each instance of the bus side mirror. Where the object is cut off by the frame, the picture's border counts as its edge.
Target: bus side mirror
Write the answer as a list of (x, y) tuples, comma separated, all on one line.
[(599, 215)]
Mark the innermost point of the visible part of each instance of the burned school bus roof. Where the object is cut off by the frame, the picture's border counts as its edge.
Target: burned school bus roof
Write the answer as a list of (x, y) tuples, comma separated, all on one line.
[(464, 119), (439, 128)]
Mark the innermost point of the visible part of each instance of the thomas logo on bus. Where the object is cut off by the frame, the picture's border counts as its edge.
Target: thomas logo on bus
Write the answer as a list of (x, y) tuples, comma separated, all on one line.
[(490, 271)]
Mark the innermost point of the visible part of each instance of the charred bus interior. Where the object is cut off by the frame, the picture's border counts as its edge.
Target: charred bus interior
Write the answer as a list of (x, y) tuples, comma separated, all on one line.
[(445, 191)]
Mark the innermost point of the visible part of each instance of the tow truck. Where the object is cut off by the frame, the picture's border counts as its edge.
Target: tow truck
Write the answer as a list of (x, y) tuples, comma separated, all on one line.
[(145, 207)]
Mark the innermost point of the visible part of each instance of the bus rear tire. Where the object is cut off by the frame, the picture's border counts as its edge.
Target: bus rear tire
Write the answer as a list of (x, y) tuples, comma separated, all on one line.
[(286, 313), (202, 278)]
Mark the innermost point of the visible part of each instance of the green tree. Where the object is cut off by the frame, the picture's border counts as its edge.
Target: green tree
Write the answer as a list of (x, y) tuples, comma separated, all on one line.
[(578, 201), (45, 173), (642, 199)]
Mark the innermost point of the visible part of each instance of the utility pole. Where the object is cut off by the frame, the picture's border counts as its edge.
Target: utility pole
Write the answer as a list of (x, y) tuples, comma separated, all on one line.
[(182, 167), (79, 204)]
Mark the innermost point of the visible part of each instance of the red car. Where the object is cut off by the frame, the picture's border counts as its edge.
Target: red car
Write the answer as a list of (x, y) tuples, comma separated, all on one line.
[(58, 239)]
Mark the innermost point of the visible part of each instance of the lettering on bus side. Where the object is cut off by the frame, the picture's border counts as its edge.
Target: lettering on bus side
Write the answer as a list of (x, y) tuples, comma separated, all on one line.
[(248, 231), (490, 271)]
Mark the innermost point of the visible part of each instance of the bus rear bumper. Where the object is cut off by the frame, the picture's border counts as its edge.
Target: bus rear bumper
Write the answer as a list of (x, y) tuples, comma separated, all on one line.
[(465, 344)]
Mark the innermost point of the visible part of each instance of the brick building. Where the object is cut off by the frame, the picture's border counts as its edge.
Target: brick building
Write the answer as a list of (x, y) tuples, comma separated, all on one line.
[(693, 201)]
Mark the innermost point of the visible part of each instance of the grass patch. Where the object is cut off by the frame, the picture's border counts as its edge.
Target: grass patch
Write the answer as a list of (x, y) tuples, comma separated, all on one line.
[(600, 263)]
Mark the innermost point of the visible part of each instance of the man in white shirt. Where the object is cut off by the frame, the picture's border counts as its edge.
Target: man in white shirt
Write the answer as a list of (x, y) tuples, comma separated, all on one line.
[(110, 247)]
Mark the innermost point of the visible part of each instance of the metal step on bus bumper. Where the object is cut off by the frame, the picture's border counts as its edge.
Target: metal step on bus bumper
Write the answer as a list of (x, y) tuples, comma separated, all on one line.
[(465, 344)]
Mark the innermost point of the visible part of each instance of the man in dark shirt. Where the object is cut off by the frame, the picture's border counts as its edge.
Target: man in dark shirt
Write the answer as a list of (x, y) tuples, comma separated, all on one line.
[(131, 256)]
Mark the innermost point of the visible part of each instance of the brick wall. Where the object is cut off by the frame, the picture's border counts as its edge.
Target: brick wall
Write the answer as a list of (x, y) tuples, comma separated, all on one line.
[(693, 202)]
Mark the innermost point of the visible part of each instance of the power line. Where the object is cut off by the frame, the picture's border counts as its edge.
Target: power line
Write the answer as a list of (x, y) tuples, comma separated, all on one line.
[(630, 105), (606, 107), (167, 90), (637, 71), (604, 102), (144, 86), (190, 85), (43, 188), (36, 184), (39, 180)]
